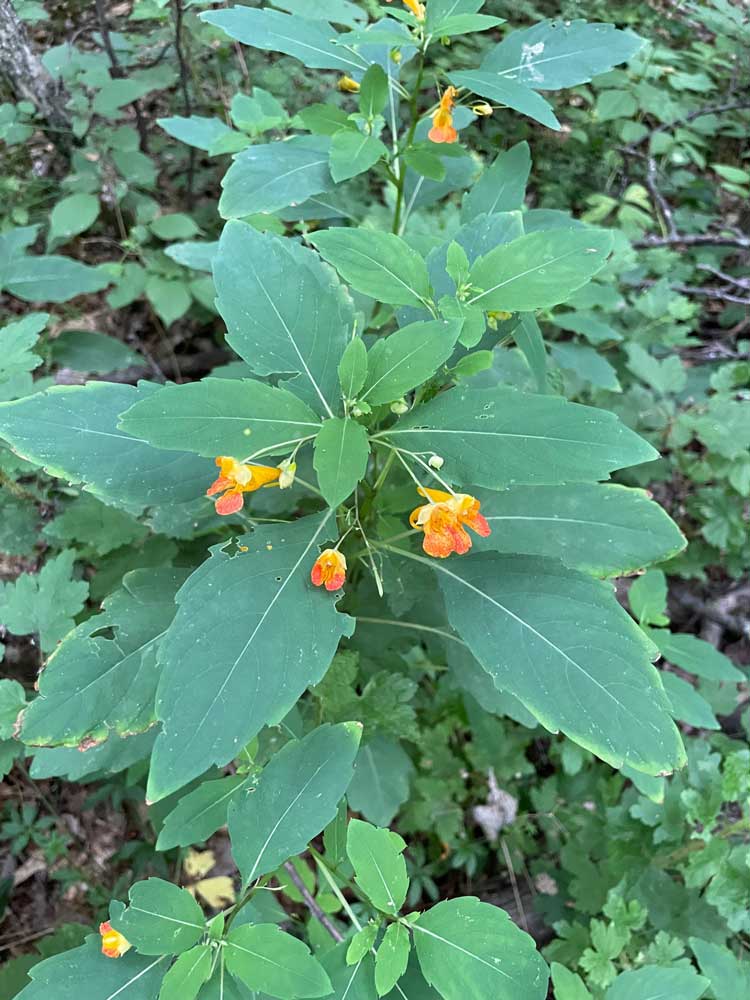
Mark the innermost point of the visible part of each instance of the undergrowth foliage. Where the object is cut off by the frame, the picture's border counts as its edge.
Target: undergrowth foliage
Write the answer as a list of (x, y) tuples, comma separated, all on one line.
[(388, 546)]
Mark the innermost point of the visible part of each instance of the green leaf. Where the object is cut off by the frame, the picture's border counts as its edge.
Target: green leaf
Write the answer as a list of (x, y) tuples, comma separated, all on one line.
[(373, 92), (44, 603), (309, 41), (695, 655), (161, 918), (18, 340), (222, 417), (93, 684), (187, 975), (665, 377), (538, 270), (602, 530), (258, 113), (265, 178), (408, 357), (560, 642), (266, 959), (296, 796), (362, 943), (106, 758), (425, 162), (528, 337), (648, 598), (200, 813), (324, 119), (50, 278), (502, 186), (587, 364), (377, 264), (352, 153), (392, 957), (86, 446), (202, 133), (728, 976), (469, 948), (554, 54), (506, 91), (382, 772), (687, 705), (379, 865), (285, 311), (349, 982), (174, 226), (501, 437), (341, 452), (353, 368), (85, 972), (568, 985), (90, 352), (655, 981), (91, 523), (169, 297), (12, 701), (252, 621), (73, 215)]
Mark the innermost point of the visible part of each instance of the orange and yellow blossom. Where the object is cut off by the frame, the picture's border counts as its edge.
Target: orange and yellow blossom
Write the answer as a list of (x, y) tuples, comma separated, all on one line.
[(442, 120), (442, 520), (329, 570), (347, 85), (235, 478), (415, 7), (114, 944)]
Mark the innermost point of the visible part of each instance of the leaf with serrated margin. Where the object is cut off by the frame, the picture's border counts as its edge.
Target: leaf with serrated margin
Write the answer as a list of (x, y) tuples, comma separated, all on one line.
[(93, 684), (551, 55), (295, 798), (251, 633), (341, 452), (467, 948), (605, 530), (286, 312), (538, 270), (71, 431), (502, 437), (219, 416), (560, 642)]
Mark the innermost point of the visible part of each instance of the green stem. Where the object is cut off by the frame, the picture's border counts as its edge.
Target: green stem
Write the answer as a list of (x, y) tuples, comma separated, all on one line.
[(399, 163), (667, 860)]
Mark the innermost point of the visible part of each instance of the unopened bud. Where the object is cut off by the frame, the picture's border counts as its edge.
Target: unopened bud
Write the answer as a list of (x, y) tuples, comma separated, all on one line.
[(400, 406), (482, 108), (436, 462), (288, 469), (396, 56), (348, 85)]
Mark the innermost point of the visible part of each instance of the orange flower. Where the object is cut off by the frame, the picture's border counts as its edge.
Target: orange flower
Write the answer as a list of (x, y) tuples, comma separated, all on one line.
[(442, 120), (114, 944), (236, 478), (442, 520), (415, 7), (329, 569)]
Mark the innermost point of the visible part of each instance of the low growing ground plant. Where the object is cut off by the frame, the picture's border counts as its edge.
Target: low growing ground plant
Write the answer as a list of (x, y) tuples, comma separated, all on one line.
[(365, 569)]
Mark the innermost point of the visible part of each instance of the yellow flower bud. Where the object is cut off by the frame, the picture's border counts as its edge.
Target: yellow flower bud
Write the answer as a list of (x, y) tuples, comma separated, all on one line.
[(482, 108), (435, 462), (347, 85), (400, 406)]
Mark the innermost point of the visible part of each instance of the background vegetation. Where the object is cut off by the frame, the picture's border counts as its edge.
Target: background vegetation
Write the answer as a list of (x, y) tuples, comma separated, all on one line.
[(609, 872)]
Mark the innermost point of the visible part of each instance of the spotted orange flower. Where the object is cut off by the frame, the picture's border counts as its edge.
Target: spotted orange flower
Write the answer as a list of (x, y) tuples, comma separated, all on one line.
[(415, 7), (236, 478), (442, 520), (114, 944), (329, 570), (442, 120)]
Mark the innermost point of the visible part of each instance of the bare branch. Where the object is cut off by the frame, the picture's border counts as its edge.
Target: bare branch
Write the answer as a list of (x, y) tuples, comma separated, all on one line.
[(311, 903)]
